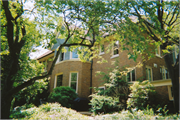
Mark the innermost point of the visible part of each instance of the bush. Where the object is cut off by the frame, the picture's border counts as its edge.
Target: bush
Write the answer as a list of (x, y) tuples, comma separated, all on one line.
[(48, 111), (17, 111), (114, 97), (103, 104), (63, 95), (55, 111), (139, 94)]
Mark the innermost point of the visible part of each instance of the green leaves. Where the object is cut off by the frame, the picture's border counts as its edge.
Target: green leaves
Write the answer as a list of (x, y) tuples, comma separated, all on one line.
[(63, 95), (139, 94)]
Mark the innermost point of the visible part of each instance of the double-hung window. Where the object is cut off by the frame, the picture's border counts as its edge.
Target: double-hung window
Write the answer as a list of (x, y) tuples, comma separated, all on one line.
[(131, 76), (175, 53), (116, 48), (62, 56), (164, 73), (158, 51), (58, 80), (149, 74), (101, 49), (74, 54), (73, 80)]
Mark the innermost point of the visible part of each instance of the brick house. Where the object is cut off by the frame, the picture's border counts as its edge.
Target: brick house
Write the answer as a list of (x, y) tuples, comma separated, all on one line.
[(70, 71)]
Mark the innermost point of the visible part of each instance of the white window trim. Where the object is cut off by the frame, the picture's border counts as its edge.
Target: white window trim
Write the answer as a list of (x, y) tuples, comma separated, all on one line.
[(100, 52), (102, 87), (159, 52), (170, 93), (76, 81), (55, 80), (57, 61), (175, 53), (131, 76), (71, 56), (151, 72), (163, 69), (116, 55)]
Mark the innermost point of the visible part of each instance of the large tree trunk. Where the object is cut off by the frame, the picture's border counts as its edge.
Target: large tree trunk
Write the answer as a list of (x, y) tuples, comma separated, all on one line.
[(5, 107), (173, 69)]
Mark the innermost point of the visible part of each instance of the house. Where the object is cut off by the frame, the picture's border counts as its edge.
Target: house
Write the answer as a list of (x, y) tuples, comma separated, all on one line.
[(70, 71)]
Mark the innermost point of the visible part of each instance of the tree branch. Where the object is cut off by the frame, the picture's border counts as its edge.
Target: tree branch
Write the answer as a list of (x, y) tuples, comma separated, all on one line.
[(174, 11), (10, 32), (17, 32), (151, 33)]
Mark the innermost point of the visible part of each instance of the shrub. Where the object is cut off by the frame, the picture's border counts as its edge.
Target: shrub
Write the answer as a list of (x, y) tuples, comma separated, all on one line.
[(48, 111), (63, 95), (17, 111), (114, 97), (103, 104), (139, 94), (55, 111)]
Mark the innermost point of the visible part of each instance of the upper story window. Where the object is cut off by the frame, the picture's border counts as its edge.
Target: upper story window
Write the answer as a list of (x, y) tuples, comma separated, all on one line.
[(164, 73), (74, 54), (175, 53), (116, 48), (149, 74), (62, 56), (67, 55), (101, 49), (131, 76), (158, 51), (73, 82)]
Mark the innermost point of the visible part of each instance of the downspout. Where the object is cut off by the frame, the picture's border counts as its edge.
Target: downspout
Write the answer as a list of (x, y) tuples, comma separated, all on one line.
[(91, 69)]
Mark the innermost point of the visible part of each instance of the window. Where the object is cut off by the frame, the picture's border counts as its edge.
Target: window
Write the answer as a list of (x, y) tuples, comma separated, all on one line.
[(131, 76), (74, 54), (116, 48), (73, 80), (62, 56), (58, 80), (175, 53), (101, 49), (101, 90), (158, 51), (149, 75), (164, 73)]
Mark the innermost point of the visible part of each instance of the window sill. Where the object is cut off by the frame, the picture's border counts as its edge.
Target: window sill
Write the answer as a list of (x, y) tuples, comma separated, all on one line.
[(157, 55), (114, 56), (101, 53), (68, 60)]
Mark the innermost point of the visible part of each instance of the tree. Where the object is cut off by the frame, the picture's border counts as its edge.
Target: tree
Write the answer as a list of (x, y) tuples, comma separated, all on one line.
[(159, 22), (18, 36)]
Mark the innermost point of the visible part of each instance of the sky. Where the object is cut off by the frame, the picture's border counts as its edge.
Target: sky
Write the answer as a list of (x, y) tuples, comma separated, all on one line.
[(39, 50)]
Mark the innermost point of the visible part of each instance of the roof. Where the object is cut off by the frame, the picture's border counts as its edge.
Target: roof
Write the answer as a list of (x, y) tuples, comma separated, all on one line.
[(45, 54)]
